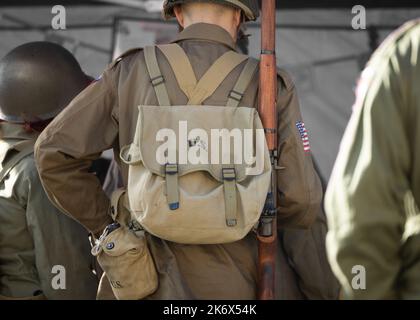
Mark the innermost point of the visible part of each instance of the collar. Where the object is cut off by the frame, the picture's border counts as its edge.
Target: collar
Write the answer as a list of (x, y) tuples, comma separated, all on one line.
[(11, 136), (207, 32)]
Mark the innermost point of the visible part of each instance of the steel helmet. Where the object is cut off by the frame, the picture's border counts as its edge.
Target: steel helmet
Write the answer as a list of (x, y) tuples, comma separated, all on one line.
[(37, 80), (249, 7)]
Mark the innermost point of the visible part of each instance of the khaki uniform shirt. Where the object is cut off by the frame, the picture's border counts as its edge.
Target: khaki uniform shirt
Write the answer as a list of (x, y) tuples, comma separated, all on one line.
[(374, 193), (105, 115), (35, 236)]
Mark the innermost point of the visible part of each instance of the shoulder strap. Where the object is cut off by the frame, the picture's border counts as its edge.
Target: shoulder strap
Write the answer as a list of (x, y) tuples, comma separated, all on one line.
[(236, 95), (181, 67), (184, 73), (158, 82), (25, 148), (213, 78)]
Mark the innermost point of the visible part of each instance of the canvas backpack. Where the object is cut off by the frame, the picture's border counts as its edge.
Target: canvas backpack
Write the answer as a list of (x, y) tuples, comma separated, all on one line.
[(173, 192)]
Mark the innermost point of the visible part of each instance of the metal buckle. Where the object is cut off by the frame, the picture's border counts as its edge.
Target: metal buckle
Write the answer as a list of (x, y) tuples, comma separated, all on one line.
[(171, 168), (228, 174), (157, 80), (235, 95)]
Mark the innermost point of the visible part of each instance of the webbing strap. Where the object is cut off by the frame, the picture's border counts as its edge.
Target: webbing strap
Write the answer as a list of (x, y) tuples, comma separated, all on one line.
[(158, 82), (236, 95), (24, 149), (115, 199), (172, 191), (213, 78), (181, 67), (229, 186)]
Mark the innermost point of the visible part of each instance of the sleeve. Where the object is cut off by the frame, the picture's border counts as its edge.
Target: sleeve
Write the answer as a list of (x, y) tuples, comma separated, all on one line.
[(62, 250), (298, 184), (66, 148), (307, 255), (369, 184)]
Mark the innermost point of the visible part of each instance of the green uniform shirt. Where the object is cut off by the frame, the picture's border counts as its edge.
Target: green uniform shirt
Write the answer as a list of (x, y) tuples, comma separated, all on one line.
[(35, 236), (373, 196)]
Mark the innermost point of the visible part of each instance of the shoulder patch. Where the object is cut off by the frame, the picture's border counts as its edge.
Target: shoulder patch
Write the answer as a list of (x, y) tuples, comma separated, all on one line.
[(124, 55), (286, 79)]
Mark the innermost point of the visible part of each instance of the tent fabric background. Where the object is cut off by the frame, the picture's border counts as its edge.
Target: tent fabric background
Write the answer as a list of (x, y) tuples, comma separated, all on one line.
[(318, 47)]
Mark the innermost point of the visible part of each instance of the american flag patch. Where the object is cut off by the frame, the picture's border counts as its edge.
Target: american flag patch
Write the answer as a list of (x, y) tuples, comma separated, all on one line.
[(304, 136)]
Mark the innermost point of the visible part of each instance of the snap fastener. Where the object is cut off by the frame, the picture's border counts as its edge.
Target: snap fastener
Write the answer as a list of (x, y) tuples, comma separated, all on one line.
[(110, 245)]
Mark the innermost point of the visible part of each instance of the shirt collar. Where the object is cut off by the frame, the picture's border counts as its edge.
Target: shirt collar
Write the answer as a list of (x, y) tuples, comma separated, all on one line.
[(11, 135), (207, 32)]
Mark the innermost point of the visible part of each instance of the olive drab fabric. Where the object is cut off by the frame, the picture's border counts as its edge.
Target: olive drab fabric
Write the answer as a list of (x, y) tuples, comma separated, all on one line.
[(58, 79), (34, 235), (374, 194), (127, 263), (184, 201), (105, 116), (250, 8)]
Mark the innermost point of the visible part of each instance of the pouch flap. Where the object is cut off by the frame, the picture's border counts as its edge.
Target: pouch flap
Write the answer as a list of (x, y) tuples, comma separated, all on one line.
[(198, 138), (119, 242)]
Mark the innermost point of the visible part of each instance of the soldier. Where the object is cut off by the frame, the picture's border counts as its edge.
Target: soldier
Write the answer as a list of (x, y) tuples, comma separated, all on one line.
[(43, 253), (105, 116), (374, 194)]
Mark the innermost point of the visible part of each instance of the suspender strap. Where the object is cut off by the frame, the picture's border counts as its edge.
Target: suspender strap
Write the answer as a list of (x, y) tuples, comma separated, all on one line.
[(24, 149), (229, 186), (184, 73), (212, 79), (236, 95), (181, 67), (158, 82)]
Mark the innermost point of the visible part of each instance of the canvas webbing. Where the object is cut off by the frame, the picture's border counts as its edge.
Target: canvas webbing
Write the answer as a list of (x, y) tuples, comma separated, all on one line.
[(172, 192), (115, 199), (213, 78), (236, 95), (181, 67), (158, 82), (184, 73), (24, 149), (229, 186)]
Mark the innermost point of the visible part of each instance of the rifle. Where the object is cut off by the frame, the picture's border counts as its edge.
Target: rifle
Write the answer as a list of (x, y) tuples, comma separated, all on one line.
[(267, 230)]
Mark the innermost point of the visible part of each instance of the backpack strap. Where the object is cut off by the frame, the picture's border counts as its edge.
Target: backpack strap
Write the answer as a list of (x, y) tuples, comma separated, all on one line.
[(158, 82), (24, 149), (214, 77), (229, 188), (184, 73), (181, 67), (172, 189), (236, 95)]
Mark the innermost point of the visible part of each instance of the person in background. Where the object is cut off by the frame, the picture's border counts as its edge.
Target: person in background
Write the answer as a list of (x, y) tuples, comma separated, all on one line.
[(373, 197), (43, 253)]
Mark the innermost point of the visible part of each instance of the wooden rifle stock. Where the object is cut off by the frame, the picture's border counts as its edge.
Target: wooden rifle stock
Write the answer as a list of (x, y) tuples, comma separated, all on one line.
[(267, 231)]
